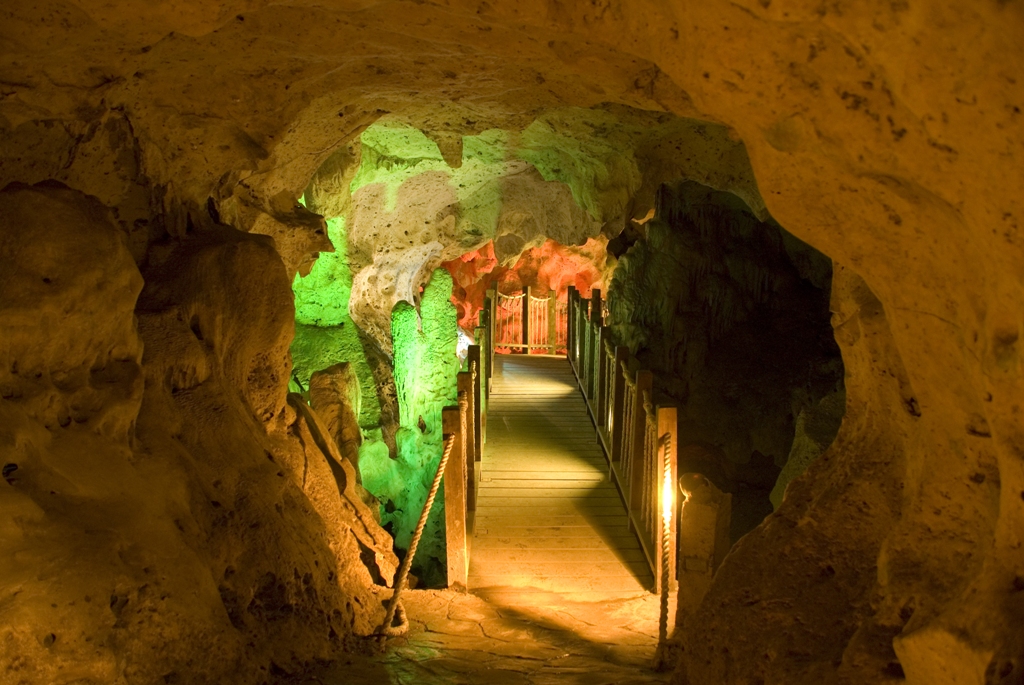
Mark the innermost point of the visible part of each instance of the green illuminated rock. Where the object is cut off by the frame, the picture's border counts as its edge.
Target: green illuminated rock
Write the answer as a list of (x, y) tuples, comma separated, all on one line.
[(399, 205), (325, 334), (409, 211), (425, 377)]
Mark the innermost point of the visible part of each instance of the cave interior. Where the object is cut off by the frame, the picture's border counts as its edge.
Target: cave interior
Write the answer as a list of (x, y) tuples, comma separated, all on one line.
[(245, 245)]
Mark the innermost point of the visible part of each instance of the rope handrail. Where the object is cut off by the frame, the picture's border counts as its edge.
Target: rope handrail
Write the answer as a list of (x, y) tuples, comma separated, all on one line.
[(395, 608), (666, 539)]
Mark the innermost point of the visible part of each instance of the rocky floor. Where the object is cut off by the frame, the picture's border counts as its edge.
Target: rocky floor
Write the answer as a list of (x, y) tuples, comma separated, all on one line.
[(463, 638)]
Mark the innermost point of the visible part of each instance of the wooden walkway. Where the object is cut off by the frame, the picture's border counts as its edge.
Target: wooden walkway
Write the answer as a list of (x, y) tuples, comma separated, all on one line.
[(548, 520)]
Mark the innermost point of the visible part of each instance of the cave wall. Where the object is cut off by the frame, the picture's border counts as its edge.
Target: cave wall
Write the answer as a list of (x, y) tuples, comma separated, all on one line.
[(828, 532), (732, 315), (886, 134), (168, 516)]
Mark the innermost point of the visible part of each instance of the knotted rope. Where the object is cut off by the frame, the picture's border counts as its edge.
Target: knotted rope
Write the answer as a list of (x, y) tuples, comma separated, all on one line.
[(666, 537), (395, 608)]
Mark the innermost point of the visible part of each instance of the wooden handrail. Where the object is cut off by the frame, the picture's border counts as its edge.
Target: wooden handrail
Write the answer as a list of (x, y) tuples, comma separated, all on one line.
[(468, 434), (639, 438), (453, 422), (462, 473)]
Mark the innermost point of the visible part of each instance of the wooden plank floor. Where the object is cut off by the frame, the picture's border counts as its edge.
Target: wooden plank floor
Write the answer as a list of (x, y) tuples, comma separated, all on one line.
[(548, 520)]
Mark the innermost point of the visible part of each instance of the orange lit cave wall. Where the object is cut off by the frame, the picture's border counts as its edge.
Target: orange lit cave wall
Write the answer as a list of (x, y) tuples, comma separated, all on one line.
[(551, 266)]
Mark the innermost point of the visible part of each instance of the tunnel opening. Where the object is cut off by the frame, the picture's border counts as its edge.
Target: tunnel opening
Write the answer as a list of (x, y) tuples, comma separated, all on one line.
[(726, 308), (732, 313), (543, 273)]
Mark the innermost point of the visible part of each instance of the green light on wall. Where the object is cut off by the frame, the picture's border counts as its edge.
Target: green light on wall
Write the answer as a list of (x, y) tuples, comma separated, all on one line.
[(325, 334), (394, 154), (426, 368)]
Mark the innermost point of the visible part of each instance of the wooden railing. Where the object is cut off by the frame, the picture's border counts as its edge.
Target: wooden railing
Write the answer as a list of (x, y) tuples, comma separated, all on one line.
[(462, 473), (525, 323), (485, 336), (638, 437)]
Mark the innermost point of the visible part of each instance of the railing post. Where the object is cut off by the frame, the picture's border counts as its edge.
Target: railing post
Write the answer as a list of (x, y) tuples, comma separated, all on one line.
[(481, 383), (583, 329), (617, 406), (465, 385), (577, 331), (478, 401), (526, 320), (601, 408), (492, 322), (570, 323), (487, 323), (644, 384), (583, 322), (594, 341), (452, 423), (552, 322)]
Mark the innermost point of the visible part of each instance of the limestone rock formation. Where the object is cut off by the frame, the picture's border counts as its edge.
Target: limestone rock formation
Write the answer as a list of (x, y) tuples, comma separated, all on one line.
[(816, 428), (732, 315), (408, 208), (354, 512), (71, 388), (334, 394), (830, 529), (550, 267), (887, 135), (425, 381), (149, 491)]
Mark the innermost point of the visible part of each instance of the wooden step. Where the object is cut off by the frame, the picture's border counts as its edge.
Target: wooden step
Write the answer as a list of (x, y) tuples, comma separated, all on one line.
[(550, 479), (558, 584), (580, 566), (584, 540), (541, 460), (543, 489), (533, 597), (496, 521), (485, 532), (569, 558)]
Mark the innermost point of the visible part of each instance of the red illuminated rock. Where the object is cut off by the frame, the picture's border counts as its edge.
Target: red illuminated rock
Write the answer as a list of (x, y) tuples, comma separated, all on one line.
[(549, 267)]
